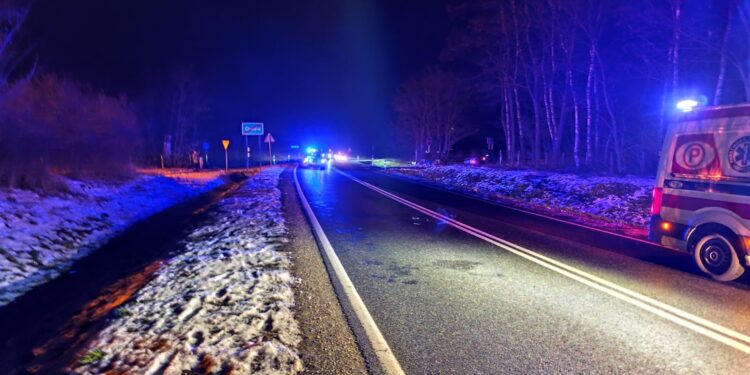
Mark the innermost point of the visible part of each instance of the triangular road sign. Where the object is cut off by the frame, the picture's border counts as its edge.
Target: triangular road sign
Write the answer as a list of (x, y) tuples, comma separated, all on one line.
[(269, 138)]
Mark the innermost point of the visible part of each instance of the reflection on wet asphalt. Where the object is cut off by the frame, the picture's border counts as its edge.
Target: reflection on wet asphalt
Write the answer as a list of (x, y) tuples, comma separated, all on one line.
[(450, 303)]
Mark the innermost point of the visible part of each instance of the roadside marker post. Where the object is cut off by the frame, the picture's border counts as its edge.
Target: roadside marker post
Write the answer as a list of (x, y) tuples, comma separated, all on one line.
[(269, 140), (206, 146), (247, 156), (225, 143)]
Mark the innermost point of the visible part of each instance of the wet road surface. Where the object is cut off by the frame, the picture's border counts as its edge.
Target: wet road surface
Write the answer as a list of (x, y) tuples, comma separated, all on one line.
[(449, 302)]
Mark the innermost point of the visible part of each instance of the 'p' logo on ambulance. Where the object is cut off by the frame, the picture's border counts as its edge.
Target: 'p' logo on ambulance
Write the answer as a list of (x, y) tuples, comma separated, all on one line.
[(701, 200), (695, 154)]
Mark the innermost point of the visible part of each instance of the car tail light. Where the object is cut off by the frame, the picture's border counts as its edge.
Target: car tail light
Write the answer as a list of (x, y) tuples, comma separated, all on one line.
[(656, 201)]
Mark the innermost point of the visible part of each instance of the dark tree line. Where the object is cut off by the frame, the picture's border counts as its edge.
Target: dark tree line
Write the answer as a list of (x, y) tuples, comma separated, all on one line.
[(187, 106), (430, 109), (590, 84), (53, 126)]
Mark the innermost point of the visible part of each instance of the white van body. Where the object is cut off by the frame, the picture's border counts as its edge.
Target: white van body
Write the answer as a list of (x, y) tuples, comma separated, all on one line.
[(701, 199)]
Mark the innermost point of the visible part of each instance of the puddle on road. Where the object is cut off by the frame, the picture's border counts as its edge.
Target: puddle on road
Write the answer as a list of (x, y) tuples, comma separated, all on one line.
[(392, 272), (372, 262), (467, 266), (458, 265)]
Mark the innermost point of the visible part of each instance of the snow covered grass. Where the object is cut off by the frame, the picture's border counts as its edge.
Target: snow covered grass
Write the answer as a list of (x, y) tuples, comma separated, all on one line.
[(222, 305), (389, 163), (618, 203), (41, 234)]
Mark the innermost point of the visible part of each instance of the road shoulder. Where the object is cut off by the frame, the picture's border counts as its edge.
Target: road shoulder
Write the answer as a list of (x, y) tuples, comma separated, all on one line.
[(328, 345)]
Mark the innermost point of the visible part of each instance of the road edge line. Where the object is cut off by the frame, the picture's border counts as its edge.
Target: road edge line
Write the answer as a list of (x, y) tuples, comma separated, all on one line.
[(383, 352)]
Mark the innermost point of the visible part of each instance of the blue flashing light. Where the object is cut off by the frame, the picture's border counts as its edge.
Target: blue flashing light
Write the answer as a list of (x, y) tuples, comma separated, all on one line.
[(687, 105)]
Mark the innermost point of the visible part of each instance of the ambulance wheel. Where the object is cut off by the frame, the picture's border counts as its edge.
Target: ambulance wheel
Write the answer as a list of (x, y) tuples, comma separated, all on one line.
[(716, 256)]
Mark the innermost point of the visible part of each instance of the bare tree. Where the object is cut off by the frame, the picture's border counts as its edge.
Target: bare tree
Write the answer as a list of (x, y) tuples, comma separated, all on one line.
[(574, 81), (13, 15), (739, 54), (412, 109), (430, 108), (187, 107), (724, 51)]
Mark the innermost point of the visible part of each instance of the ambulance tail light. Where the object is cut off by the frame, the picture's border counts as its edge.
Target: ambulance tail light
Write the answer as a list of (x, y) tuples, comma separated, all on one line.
[(656, 201)]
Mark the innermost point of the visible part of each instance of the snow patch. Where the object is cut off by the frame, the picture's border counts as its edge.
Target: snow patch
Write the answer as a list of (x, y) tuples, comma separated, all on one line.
[(615, 203), (41, 235), (223, 304)]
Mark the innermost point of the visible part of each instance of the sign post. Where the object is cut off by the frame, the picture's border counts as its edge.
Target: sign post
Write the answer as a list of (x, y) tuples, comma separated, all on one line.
[(247, 158), (225, 143), (269, 140), (253, 128)]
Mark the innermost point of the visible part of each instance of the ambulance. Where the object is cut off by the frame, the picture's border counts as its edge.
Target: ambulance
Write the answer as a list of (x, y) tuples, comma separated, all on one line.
[(701, 200)]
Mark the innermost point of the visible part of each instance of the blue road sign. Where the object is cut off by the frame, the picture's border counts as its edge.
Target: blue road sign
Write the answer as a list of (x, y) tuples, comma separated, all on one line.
[(252, 128)]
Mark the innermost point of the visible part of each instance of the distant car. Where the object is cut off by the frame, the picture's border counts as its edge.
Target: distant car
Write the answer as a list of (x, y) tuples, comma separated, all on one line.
[(478, 160), (485, 158), (314, 159), (471, 161)]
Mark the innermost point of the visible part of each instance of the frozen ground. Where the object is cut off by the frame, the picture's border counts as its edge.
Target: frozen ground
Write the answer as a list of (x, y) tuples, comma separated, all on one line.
[(615, 203), (221, 305), (40, 235)]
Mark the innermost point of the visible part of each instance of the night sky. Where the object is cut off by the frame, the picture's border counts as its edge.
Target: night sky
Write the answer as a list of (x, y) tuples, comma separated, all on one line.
[(313, 71)]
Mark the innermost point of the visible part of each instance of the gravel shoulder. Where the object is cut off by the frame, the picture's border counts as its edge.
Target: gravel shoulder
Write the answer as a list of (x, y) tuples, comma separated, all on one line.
[(328, 345)]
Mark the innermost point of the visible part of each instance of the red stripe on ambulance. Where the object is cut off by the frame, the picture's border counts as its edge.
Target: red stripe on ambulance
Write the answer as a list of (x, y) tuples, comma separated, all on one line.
[(682, 202)]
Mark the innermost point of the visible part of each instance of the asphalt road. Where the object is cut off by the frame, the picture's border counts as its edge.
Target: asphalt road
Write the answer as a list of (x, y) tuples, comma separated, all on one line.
[(449, 302)]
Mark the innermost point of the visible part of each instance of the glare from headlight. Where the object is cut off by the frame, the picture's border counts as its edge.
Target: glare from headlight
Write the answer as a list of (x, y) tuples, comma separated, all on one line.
[(340, 157)]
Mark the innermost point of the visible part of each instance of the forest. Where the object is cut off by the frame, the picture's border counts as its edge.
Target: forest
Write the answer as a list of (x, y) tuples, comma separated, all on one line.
[(588, 85)]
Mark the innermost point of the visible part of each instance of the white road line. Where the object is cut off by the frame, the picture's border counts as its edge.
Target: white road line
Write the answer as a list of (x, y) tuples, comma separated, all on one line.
[(697, 324), (547, 217), (384, 354)]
